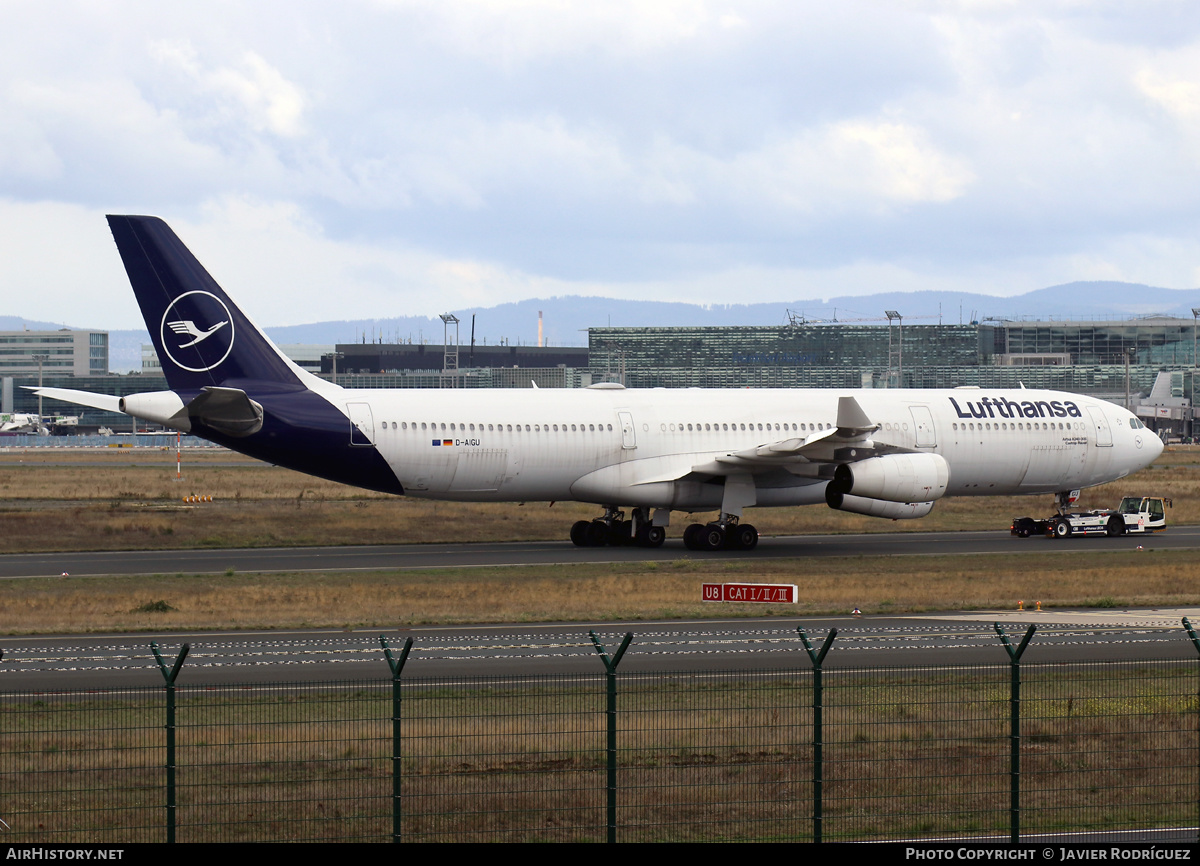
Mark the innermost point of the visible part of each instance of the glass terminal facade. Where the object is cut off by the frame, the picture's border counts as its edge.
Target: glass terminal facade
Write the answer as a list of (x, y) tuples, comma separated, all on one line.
[(791, 356), (1086, 357), (1147, 341)]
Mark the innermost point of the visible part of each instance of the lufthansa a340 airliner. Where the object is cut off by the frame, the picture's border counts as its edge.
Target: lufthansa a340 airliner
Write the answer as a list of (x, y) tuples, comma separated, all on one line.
[(637, 453)]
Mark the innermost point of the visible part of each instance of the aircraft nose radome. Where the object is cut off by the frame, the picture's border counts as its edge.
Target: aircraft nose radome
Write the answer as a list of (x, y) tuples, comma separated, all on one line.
[(1156, 445), (1149, 446)]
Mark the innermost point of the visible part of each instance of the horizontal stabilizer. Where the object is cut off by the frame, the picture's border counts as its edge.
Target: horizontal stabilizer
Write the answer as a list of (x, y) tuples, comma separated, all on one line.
[(107, 402), (226, 410)]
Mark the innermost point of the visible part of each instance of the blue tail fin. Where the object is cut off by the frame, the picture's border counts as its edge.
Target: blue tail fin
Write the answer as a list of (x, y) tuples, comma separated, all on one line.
[(202, 338)]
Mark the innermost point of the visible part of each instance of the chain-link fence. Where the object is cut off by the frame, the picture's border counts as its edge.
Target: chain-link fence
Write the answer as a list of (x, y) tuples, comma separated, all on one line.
[(995, 751)]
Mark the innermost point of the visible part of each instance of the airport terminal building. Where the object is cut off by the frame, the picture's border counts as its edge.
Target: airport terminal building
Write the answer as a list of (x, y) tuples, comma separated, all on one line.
[(74, 353), (1083, 356)]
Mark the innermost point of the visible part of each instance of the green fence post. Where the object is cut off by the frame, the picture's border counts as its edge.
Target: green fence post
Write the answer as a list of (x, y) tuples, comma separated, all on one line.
[(1014, 732), (397, 667), (170, 676), (818, 733), (1196, 643), (610, 667)]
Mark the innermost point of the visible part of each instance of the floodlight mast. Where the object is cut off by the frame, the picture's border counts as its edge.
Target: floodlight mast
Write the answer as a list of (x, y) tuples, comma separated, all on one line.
[(1195, 370), (449, 355), (896, 352), (1129, 353), (40, 358)]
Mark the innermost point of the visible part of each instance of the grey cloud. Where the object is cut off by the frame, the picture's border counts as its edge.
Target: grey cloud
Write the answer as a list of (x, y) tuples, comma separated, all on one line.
[(624, 143)]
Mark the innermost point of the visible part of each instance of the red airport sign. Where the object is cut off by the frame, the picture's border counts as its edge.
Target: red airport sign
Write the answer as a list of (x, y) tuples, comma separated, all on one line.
[(765, 593)]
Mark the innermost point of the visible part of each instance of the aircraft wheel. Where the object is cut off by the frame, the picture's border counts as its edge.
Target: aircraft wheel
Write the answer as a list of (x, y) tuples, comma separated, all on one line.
[(712, 537), (1115, 527), (745, 536), (655, 536), (620, 533), (1062, 529), (579, 533), (597, 533), (691, 537)]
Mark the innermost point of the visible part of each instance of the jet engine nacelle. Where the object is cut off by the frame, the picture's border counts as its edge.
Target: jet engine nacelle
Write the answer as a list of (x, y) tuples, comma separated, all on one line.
[(904, 478), (877, 507)]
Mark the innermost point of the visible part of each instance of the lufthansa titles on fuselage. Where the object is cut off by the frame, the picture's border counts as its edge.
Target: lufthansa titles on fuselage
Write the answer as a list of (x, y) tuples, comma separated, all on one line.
[(1002, 407)]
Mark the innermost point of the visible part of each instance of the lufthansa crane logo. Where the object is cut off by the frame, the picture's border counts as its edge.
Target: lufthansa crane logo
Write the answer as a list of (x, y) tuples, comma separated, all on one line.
[(197, 331)]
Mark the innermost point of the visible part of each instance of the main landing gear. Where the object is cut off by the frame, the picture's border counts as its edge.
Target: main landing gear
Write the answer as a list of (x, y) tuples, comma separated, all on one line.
[(727, 534), (613, 529)]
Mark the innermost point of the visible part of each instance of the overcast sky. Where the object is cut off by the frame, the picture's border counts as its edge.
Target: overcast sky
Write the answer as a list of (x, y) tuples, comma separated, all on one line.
[(374, 159)]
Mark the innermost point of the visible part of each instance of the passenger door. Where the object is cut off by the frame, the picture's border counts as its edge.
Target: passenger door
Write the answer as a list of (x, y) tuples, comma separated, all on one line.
[(1100, 426), (923, 425), (362, 425), (628, 434)]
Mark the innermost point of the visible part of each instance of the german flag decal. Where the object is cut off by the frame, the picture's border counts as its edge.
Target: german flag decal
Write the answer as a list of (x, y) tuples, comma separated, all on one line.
[(443, 442)]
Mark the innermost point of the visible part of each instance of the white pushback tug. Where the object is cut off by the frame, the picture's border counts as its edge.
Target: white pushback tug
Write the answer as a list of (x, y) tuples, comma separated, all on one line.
[(1135, 515)]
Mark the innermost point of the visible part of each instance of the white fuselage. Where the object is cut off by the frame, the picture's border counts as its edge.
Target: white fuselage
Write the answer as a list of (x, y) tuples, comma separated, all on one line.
[(637, 447)]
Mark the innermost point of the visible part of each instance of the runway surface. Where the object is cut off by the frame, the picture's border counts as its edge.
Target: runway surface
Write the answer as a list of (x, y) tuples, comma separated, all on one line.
[(434, 556), (688, 648)]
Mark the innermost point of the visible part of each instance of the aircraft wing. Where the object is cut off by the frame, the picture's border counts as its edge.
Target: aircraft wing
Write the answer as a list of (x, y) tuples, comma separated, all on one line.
[(814, 455)]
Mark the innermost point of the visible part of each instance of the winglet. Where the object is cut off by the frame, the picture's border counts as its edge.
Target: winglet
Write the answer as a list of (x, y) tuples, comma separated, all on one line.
[(852, 420)]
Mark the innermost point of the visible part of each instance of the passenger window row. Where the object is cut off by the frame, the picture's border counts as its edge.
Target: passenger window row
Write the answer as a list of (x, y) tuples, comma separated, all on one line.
[(682, 427), (591, 428), (1020, 425), (453, 427)]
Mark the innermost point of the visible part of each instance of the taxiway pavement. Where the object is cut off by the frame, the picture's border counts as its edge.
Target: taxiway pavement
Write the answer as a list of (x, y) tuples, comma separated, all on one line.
[(389, 557)]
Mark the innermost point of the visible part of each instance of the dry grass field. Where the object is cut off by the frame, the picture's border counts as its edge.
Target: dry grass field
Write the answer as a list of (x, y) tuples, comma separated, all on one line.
[(130, 499), (596, 593), (58, 500)]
